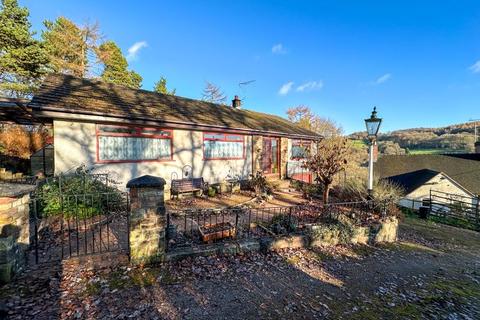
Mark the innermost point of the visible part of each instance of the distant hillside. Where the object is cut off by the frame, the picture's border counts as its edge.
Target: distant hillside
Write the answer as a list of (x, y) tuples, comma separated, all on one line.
[(454, 138)]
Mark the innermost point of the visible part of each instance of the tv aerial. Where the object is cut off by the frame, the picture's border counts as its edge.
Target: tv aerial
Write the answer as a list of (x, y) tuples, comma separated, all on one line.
[(243, 87)]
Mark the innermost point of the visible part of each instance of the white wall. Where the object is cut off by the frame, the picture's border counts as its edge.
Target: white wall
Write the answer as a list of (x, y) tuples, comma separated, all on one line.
[(75, 144), (438, 183)]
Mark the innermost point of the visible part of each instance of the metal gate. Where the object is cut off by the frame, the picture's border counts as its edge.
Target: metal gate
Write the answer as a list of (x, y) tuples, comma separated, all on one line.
[(67, 226)]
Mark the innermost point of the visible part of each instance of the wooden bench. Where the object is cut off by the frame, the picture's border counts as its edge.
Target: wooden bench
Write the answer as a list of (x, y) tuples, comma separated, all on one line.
[(187, 185)]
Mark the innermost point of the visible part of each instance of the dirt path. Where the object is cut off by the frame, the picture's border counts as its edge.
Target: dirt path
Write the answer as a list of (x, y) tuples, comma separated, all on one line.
[(433, 272)]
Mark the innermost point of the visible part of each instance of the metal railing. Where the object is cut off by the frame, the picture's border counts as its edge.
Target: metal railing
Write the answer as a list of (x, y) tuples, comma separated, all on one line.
[(198, 226), (73, 225)]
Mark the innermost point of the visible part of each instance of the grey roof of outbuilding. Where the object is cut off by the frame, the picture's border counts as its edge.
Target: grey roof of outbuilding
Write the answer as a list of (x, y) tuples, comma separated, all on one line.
[(68, 94), (411, 181), (462, 168)]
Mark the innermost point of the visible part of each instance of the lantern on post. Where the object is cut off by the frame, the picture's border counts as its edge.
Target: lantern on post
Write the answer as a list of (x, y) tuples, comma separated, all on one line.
[(373, 126)]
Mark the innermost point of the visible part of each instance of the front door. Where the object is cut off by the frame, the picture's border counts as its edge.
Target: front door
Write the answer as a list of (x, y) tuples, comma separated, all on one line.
[(270, 155)]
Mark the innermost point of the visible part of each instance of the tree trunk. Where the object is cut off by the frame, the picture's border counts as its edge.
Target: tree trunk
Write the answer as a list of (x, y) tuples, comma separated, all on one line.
[(326, 192)]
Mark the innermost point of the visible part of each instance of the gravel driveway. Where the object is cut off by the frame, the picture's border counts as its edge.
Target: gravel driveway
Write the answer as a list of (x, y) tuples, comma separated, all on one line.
[(433, 272)]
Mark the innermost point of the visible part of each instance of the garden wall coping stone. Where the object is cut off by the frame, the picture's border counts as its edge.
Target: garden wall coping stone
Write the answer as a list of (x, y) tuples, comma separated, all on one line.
[(13, 190)]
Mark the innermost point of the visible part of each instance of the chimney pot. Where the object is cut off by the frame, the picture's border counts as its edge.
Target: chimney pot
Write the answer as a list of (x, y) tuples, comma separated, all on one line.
[(236, 102)]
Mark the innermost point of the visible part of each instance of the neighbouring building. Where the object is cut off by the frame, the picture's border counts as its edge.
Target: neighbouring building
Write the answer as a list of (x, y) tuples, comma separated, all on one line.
[(130, 133), (41, 161), (455, 174)]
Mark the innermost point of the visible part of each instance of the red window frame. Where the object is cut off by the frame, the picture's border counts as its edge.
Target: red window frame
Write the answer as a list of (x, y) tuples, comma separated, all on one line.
[(225, 138), (139, 133), (305, 143)]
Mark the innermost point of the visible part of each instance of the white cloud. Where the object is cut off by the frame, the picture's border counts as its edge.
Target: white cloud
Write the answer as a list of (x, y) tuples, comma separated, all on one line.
[(475, 68), (311, 85), (279, 49), (285, 88), (135, 49), (383, 78)]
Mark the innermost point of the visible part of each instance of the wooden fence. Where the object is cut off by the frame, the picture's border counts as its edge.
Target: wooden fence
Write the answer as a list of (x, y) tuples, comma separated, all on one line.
[(454, 209)]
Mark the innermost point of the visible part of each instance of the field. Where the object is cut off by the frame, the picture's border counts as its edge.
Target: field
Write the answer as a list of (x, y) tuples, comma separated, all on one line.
[(434, 151), (359, 144)]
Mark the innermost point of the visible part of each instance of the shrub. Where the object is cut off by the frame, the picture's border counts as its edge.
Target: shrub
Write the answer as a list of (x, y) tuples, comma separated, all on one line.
[(308, 190), (283, 224), (260, 184), (340, 229), (356, 190), (211, 192), (81, 195)]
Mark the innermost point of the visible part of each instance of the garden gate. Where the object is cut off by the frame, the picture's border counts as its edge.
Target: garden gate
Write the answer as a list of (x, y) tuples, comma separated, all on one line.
[(66, 225)]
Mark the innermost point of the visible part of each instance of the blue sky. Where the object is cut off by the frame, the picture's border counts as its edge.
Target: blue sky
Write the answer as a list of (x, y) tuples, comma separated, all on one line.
[(414, 60)]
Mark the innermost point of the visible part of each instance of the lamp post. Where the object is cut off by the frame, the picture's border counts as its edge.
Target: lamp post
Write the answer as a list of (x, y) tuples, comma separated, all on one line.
[(373, 125)]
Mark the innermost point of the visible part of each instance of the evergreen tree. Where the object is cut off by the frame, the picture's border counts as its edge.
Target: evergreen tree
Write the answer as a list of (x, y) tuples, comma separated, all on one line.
[(116, 66), (69, 45), (22, 58), (161, 87)]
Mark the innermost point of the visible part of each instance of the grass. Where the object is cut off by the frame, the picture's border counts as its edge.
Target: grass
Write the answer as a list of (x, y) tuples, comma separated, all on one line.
[(358, 144), (434, 151), (439, 292), (293, 260), (410, 246), (456, 222), (433, 231), (140, 278), (452, 221), (93, 288)]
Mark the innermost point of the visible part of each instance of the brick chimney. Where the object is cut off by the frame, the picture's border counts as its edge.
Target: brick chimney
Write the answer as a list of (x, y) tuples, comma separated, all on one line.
[(236, 103)]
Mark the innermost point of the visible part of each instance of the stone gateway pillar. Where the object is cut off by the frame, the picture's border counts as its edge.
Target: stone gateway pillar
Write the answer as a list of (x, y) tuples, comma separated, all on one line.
[(147, 219), (14, 228)]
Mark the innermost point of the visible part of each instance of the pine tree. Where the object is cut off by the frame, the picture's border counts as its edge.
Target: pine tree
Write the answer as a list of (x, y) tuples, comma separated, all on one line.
[(69, 45), (161, 87), (22, 58), (116, 66), (213, 94)]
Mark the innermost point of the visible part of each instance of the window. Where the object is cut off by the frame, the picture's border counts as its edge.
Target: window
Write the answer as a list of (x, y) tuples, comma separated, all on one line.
[(133, 144), (223, 146), (300, 149)]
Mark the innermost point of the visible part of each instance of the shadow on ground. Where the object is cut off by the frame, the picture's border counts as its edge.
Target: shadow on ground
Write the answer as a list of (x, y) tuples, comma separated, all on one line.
[(427, 274)]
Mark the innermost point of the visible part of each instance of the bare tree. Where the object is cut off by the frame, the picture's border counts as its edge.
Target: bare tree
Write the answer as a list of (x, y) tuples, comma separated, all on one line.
[(330, 158), (304, 116), (213, 93)]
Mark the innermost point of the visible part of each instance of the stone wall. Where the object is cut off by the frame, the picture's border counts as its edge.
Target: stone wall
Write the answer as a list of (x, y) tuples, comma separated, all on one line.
[(14, 229), (384, 231), (147, 220)]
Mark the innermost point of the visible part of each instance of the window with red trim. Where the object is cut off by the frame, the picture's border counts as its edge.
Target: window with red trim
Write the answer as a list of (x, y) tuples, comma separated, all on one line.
[(223, 146), (133, 144), (300, 149)]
